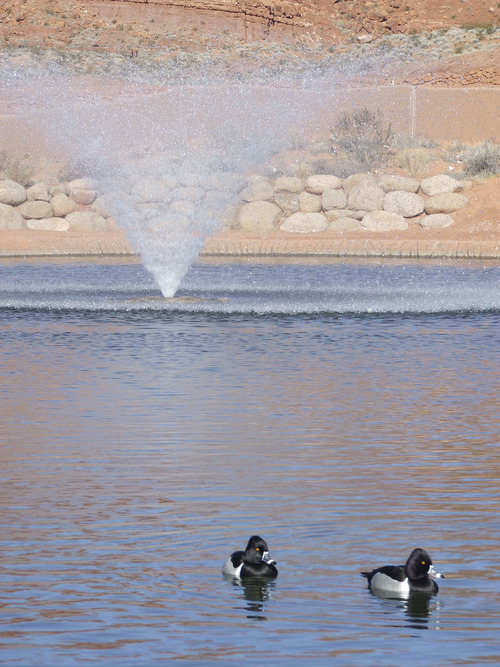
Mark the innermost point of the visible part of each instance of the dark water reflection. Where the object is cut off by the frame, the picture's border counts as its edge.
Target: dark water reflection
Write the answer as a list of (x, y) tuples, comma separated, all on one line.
[(416, 607), (255, 593), (138, 449)]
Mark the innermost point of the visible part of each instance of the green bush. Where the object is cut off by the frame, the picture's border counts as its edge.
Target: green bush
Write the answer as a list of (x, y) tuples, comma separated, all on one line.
[(363, 135), (16, 167), (482, 160)]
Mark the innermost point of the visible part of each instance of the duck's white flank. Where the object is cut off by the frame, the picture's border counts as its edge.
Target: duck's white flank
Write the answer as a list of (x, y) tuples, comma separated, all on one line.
[(384, 583), (229, 569)]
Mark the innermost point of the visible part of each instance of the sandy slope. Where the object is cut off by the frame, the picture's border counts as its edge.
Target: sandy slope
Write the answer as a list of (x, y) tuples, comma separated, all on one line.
[(309, 29)]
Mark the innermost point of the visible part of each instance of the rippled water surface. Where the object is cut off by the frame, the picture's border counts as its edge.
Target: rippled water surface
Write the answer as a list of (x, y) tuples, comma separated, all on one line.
[(345, 412)]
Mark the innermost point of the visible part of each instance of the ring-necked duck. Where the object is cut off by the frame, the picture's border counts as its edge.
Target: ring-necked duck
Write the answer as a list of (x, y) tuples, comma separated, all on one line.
[(415, 575), (253, 562)]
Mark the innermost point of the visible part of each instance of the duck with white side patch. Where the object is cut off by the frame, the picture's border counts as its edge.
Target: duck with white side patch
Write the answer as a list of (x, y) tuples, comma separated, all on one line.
[(253, 562), (414, 576)]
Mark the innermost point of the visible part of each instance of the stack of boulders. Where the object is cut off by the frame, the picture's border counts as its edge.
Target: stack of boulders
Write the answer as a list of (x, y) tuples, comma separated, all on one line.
[(287, 203), (360, 201), (74, 205)]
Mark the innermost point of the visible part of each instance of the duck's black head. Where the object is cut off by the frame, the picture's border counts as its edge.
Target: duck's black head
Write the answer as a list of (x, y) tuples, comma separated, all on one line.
[(256, 549), (419, 565)]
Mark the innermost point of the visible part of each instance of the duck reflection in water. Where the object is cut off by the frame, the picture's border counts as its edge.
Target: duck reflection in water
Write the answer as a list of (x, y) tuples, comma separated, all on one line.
[(256, 592), (418, 607)]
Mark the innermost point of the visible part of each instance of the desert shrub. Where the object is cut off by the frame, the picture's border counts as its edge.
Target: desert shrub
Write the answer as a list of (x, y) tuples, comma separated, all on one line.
[(410, 141), (16, 167), (345, 165), (70, 173), (482, 160), (324, 166), (364, 136), (413, 160), (99, 168), (456, 149)]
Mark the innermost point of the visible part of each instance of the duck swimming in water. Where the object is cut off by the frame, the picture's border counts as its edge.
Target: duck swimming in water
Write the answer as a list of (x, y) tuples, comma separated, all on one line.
[(253, 562), (415, 575)]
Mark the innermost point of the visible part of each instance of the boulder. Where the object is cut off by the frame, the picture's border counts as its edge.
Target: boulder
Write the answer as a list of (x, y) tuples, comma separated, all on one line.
[(390, 182), (35, 209), (436, 185), (304, 223), (49, 225), (436, 221), (335, 213), (62, 205), (190, 193), (406, 204), (83, 184), (12, 193), (345, 224), (383, 221), (184, 206), (150, 190), (446, 203), (228, 217), (287, 201), (83, 197), (309, 203), (189, 179), (225, 180), (258, 216), (57, 188), (290, 184), (102, 205), (366, 195), (118, 202), (112, 225), (331, 199), (39, 191), (86, 221), (257, 190), (465, 184), (355, 179), (318, 183), (10, 218), (215, 205)]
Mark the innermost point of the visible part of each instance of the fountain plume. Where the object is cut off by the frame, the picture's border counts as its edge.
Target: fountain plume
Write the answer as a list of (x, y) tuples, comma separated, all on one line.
[(171, 160)]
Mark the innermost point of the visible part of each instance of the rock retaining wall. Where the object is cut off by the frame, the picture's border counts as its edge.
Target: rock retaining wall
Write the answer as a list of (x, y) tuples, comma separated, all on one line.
[(302, 206), (359, 202), (57, 207)]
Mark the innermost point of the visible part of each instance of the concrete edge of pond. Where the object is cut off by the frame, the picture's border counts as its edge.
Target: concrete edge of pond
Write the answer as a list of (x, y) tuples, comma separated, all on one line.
[(25, 243)]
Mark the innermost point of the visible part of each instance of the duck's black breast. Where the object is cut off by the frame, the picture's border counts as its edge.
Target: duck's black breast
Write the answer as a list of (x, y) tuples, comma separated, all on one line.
[(259, 570), (425, 585)]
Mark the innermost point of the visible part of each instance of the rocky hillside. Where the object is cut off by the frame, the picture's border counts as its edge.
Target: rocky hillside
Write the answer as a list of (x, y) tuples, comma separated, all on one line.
[(60, 21), (463, 35)]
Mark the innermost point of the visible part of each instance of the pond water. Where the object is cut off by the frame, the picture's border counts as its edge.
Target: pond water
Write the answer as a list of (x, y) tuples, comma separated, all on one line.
[(346, 412)]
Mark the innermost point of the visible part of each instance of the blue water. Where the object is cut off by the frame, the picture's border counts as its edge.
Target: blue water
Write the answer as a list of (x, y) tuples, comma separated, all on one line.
[(346, 412), (250, 287)]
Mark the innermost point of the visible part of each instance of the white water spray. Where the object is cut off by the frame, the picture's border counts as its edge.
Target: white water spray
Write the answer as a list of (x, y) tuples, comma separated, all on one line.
[(171, 160), (173, 155)]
